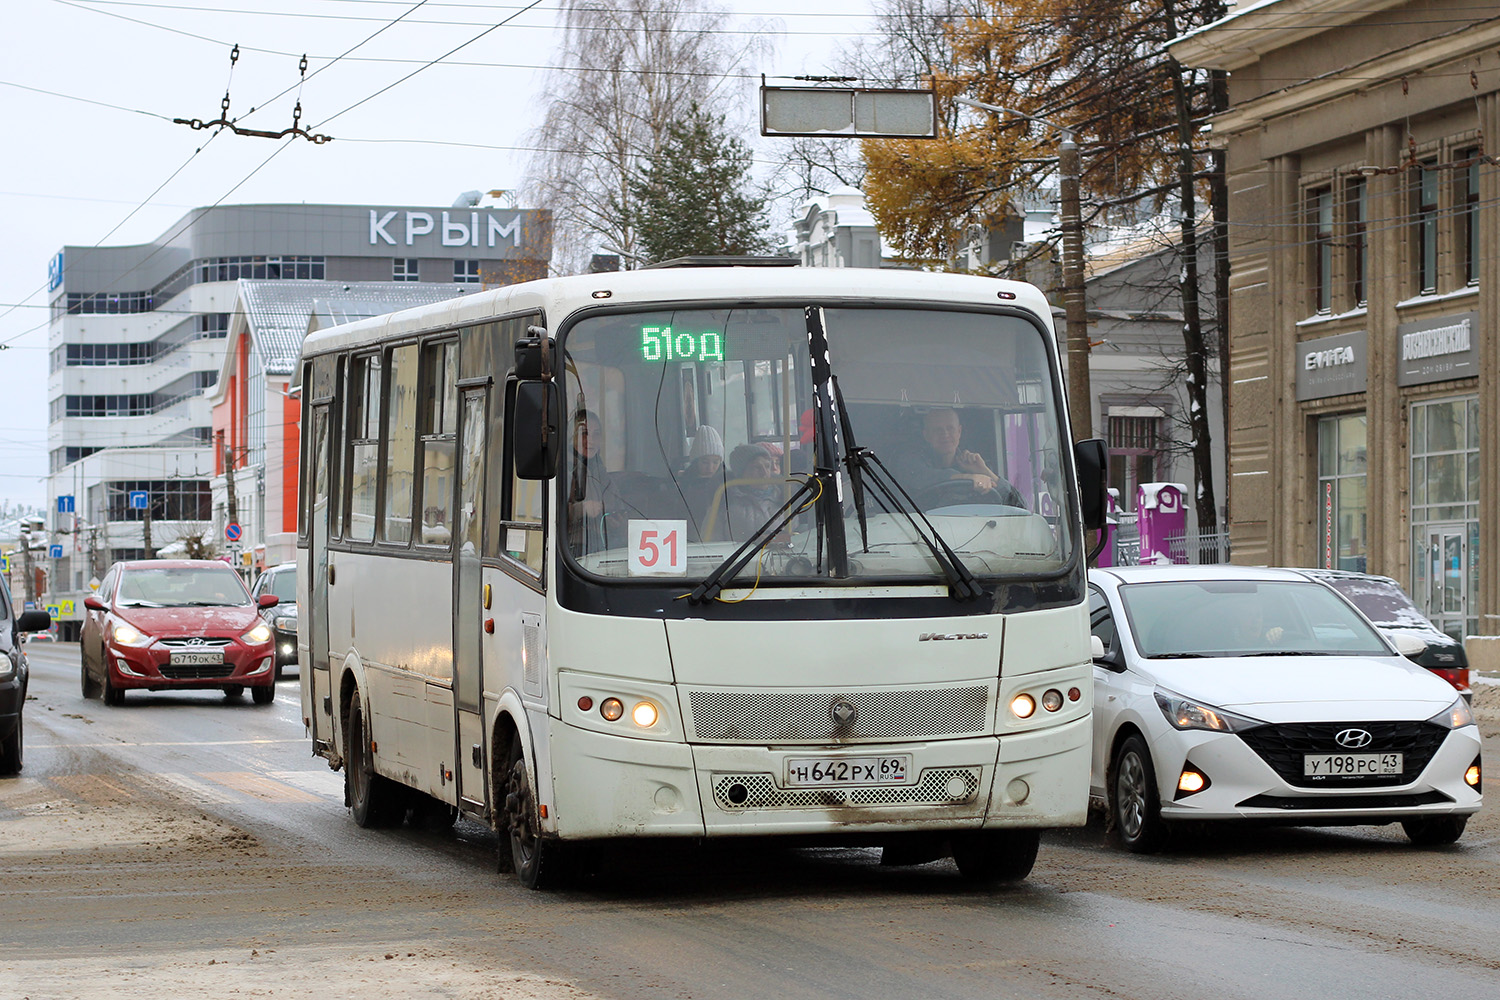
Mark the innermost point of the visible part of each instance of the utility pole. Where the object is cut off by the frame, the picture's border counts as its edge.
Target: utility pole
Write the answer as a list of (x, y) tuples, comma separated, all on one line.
[(230, 497), (146, 530), (1070, 215)]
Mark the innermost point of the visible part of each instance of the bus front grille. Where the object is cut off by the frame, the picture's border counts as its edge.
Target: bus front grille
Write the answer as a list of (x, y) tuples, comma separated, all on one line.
[(938, 786), (791, 717)]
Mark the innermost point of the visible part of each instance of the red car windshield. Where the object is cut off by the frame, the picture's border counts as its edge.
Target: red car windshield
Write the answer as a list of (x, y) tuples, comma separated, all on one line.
[(181, 587)]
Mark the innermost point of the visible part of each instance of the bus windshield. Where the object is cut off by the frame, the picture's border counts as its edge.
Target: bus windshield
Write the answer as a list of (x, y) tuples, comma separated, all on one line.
[(693, 429)]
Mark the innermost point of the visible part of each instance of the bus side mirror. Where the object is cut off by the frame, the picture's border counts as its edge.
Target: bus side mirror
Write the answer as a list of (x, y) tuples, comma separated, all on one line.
[(537, 429), (1091, 459), (534, 355)]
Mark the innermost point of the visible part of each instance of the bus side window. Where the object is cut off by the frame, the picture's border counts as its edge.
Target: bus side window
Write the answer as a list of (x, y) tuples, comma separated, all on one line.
[(521, 526)]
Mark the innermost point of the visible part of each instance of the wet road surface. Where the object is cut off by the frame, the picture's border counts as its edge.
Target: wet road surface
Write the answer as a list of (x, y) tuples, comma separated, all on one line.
[(187, 844)]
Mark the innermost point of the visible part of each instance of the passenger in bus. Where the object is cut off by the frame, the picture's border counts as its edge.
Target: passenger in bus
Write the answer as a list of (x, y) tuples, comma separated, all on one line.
[(940, 459), (752, 496), (703, 476), (588, 486)]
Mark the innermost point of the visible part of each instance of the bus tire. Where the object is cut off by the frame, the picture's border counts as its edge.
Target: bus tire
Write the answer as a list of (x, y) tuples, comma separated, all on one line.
[(992, 857), (373, 799), (539, 862)]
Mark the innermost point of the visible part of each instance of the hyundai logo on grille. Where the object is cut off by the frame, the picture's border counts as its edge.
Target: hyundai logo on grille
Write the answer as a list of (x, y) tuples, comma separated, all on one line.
[(195, 641), (841, 712), (1352, 739)]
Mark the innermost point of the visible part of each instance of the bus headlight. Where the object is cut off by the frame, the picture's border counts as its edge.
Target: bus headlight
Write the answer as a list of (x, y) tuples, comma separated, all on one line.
[(1022, 706), (644, 715), (611, 709)]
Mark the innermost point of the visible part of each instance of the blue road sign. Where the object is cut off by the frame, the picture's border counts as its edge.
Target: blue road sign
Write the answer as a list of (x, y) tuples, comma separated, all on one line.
[(65, 504), (233, 532), (55, 552), (139, 499)]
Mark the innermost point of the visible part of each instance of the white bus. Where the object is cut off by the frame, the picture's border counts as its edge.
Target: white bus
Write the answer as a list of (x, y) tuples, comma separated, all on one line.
[(697, 551)]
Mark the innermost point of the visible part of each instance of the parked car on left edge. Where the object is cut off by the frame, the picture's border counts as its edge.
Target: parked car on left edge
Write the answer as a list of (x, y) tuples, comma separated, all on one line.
[(14, 674), (166, 624)]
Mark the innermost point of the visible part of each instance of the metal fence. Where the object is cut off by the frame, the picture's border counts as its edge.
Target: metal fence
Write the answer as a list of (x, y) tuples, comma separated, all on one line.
[(1188, 548)]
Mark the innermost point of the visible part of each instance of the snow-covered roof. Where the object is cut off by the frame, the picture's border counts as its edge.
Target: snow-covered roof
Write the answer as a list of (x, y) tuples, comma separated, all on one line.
[(279, 314)]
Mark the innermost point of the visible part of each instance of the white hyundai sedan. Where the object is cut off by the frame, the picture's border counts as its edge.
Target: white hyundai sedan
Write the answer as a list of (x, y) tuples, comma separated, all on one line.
[(1232, 693)]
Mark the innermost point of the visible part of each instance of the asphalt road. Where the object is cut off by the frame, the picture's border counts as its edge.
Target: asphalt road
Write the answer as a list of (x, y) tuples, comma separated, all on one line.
[(188, 845)]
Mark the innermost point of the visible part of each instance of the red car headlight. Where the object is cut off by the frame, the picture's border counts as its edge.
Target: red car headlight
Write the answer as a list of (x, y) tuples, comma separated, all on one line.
[(125, 634), (258, 634)]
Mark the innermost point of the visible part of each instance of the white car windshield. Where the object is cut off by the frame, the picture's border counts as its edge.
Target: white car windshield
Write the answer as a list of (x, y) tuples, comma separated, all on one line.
[(692, 429), (1205, 618)]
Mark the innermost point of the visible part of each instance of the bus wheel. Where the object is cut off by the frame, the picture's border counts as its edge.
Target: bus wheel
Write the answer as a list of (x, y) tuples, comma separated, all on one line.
[(990, 857), (374, 800), (539, 862)]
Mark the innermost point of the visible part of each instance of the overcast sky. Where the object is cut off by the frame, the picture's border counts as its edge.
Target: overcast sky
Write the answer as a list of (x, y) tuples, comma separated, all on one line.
[(80, 174)]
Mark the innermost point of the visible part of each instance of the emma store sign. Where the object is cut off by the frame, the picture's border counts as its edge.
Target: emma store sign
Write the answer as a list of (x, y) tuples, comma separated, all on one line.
[(449, 229), (1331, 366)]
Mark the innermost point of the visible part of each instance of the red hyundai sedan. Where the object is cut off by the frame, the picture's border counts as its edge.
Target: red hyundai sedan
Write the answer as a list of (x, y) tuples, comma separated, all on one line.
[(165, 624)]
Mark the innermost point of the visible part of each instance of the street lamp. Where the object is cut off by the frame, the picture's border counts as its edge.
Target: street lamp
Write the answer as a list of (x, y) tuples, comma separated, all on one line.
[(1080, 401)]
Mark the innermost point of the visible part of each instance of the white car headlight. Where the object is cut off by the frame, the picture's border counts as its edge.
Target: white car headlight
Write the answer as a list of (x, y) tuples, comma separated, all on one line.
[(260, 633), (1455, 716), (1183, 713), (129, 635), (287, 623)]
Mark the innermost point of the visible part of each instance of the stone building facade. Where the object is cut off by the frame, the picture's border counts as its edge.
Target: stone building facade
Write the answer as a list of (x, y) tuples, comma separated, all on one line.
[(1365, 424)]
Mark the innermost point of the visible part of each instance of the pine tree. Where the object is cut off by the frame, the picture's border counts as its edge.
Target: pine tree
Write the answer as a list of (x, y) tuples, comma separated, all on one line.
[(695, 196)]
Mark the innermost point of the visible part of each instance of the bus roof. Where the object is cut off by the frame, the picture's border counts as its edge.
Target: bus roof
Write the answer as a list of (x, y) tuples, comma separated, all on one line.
[(558, 298)]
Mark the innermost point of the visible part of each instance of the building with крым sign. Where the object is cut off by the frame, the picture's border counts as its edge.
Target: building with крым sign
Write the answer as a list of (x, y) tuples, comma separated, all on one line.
[(139, 337)]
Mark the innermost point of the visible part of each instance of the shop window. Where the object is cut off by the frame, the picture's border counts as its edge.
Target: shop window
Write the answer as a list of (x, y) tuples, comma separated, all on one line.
[(1445, 483), (1343, 515)]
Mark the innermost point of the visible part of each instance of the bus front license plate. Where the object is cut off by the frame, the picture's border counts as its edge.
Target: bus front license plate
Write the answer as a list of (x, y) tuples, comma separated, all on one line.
[(183, 659), (1350, 765), (804, 772)]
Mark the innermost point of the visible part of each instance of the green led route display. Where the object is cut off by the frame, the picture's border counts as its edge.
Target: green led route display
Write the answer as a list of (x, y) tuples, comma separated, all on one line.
[(666, 343)]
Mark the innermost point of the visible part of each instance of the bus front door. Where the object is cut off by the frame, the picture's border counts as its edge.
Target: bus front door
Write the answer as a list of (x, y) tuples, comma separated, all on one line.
[(315, 617), (471, 603)]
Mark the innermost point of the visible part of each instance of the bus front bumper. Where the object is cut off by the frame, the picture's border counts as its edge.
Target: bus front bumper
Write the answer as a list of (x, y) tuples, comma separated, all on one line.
[(622, 787)]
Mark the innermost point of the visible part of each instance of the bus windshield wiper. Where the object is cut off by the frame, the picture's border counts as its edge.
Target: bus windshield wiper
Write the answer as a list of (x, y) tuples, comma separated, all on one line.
[(962, 584), (759, 538)]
